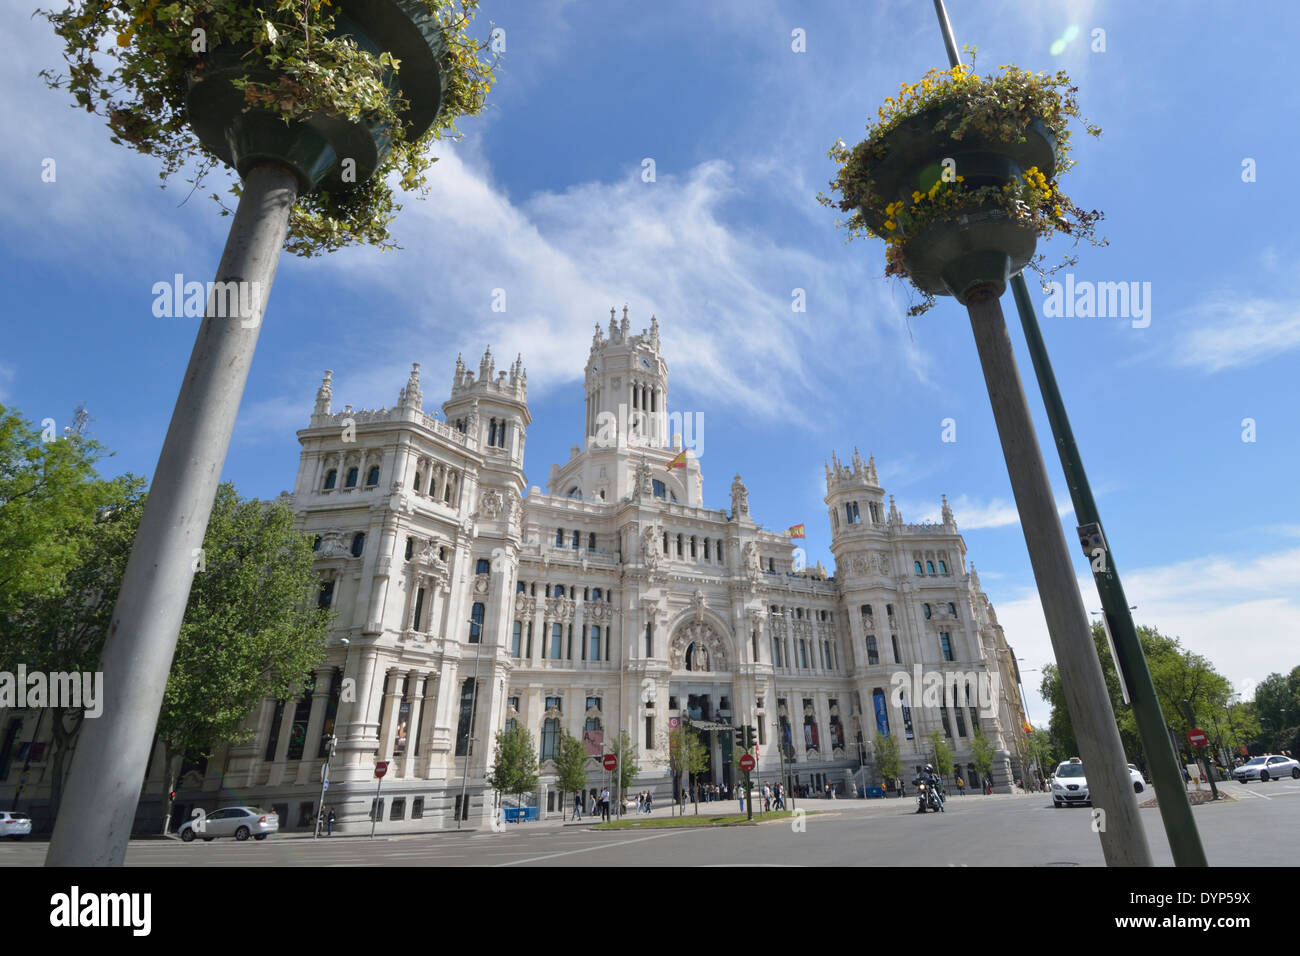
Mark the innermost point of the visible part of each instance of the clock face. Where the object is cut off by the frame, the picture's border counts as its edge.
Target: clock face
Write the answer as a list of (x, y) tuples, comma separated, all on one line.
[(645, 361)]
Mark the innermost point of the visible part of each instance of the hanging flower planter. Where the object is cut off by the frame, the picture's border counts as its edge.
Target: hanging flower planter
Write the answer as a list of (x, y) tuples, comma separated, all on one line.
[(958, 177), (342, 94)]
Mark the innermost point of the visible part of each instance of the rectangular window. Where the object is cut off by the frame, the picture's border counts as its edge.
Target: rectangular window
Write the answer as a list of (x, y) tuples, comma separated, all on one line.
[(419, 609), (898, 658), (326, 596), (947, 727), (417, 808), (557, 641), (575, 541), (398, 811), (803, 654), (762, 731), (550, 738), (595, 642), (476, 624), (873, 653), (961, 722), (559, 537), (517, 639), (649, 732), (464, 725), (945, 642), (273, 740)]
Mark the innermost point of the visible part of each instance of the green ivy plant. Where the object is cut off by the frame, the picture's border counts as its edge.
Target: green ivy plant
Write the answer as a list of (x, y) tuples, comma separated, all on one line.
[(999, 107), (128, 61)]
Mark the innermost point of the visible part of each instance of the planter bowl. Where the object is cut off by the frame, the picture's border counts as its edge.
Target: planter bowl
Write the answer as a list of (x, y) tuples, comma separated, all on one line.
[(316, 146), (914, 154), (980, 250)]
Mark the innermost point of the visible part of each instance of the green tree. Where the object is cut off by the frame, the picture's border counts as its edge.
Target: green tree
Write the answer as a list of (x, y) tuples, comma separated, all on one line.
[(628, 765), (889, 759), (514, 762), (1177, 675), (687, 755), (252, 628), (981, 753), (1042, 751), (571, 764), (50, 498), (1277, 704), (63, 631), (942, 754)]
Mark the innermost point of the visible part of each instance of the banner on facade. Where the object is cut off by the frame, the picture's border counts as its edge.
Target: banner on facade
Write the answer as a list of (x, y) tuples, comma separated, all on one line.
[(593, 741)]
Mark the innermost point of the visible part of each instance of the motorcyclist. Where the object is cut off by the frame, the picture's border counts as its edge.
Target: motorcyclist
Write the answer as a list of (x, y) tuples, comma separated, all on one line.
[(933, 782)]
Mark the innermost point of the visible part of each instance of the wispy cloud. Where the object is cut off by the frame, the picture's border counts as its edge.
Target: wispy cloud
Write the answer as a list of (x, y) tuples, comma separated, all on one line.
[(1232, 333), (972, 514)]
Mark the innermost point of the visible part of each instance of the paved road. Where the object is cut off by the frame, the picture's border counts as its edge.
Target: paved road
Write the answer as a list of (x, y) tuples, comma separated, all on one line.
[(976, 831)]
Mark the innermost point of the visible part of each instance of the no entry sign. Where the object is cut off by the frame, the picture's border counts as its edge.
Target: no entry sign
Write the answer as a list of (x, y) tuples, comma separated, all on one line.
[(746, 763), (1196, 737), (381, 768), (610, 761)]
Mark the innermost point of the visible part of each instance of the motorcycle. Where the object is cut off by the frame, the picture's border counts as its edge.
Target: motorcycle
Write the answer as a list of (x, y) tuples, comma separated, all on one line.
[(929, 797)]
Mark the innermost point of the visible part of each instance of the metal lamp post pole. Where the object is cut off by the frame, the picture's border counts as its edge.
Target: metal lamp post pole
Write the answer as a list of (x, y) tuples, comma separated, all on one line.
[(780, 736), (1123, 840), (109, 766)]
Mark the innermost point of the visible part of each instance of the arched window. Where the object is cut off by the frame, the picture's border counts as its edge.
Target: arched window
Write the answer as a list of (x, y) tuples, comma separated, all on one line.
[(372, 476), (929, 567), (352, 478), (358, 543), (943, 568), (917, 565), (692, 546), (331, 478), (575, 492), (483, 566), (476, 623), (926, 609), (706, 549), (679, 546)]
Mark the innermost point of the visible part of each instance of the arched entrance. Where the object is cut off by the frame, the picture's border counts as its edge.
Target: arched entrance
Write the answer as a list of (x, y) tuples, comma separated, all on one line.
[(701, 685)]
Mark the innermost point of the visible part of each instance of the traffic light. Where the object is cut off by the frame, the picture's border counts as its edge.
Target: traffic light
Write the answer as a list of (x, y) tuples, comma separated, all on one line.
[(740, 738), (751, 738)]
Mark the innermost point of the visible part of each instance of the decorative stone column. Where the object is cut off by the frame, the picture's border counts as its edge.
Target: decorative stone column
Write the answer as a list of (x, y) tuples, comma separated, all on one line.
[(315, 722), (415, 693)]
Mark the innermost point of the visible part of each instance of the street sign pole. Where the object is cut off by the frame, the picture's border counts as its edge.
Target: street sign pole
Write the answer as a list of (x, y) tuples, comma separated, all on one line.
[(1198, 740), (381, 768)]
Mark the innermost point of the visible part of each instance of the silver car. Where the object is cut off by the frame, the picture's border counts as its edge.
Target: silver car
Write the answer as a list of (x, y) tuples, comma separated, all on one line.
[(237, 822), (1268, 767), (15, 825)]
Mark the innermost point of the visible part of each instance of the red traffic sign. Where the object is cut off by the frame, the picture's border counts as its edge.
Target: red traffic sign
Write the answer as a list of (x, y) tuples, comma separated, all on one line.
[(746, 762), (1196, 737), (381, 767), (610, 762)]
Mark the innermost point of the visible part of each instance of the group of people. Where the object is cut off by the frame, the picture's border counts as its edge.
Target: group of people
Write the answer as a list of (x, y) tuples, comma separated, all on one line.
[(595, 802), (325, 821)]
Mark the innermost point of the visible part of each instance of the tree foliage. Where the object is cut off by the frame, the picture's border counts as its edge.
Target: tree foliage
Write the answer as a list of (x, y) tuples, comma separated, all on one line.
[(628, 765), (130, 61), (252, 628), (687, 754), (889, 759), (981, 752), (514, 762), (50, 499), (942, 759), (571, 764), (1177, 675)]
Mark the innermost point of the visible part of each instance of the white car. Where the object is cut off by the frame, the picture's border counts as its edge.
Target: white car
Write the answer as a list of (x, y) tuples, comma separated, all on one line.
[(15, 825), (1268, 767), (1069, 785), (1135, 776), (237, 822)]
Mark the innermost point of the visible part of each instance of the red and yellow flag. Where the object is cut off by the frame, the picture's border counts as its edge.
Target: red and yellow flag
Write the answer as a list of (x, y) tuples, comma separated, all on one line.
[(795, 531), (679, 461)]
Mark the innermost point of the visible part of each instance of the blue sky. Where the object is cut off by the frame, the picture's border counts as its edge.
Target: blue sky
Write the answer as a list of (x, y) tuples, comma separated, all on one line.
[(544, 198)]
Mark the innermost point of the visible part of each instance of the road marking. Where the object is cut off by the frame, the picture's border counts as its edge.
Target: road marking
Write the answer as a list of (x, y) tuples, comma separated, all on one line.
[(551, 856)]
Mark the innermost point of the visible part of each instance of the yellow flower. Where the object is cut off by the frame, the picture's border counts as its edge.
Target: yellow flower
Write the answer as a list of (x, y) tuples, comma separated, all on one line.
[(916, 196), (1057, 210), (961, 179), (889, 225)]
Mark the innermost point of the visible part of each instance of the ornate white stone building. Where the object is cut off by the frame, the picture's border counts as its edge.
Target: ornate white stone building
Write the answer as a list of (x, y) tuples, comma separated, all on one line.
[(613, 601)]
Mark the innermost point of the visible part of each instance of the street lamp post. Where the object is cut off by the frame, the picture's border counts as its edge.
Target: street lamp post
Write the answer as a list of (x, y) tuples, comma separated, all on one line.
[(780, 735), (1123, 839)]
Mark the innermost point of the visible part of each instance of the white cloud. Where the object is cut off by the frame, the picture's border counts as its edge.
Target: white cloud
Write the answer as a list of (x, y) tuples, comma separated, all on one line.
[(1226, 609), (1232, 333), (6, 381), (972, 514)]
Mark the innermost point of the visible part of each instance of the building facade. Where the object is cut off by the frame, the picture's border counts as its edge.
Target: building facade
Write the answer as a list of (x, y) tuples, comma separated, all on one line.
[(612, 602)]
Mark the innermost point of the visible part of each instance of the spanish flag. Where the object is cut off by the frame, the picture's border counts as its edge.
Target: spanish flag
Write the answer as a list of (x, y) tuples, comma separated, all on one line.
[(795, 531), (1028, 729), (679, 461)]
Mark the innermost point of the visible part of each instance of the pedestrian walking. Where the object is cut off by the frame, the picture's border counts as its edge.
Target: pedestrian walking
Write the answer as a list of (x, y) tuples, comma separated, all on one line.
[(649, 801), (604, 804), (961, 787), (329, 823), (577, 805)]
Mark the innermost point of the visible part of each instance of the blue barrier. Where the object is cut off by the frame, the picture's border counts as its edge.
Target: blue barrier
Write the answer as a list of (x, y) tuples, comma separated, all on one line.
[(521, 814)]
